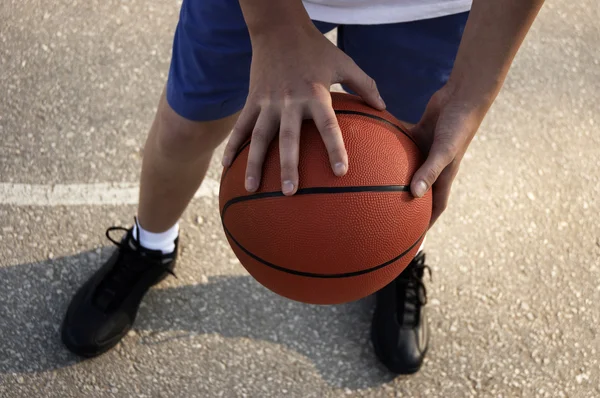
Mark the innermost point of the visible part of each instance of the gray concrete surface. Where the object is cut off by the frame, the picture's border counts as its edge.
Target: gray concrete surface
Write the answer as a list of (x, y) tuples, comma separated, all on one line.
[(516, 258)]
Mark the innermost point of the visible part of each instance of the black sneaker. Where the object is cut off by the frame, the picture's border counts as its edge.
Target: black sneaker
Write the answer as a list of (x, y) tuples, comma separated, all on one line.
[(104, 308), (400, 332)]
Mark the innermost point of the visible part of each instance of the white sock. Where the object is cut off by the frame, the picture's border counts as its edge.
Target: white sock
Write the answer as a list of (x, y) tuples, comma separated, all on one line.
[(163, 241)]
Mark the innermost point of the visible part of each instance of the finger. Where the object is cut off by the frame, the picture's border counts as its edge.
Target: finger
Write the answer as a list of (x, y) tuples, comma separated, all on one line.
[(362, 84), (441, 154), (289, 147), (262, 135), (441, 194), (327, 123), (240, 133)]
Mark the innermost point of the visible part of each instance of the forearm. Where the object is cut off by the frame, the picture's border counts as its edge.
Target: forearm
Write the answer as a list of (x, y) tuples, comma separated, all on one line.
[(268, 16), (492, 37)]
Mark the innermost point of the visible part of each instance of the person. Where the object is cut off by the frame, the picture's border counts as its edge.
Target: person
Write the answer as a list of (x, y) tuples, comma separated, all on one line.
[(258, 68)]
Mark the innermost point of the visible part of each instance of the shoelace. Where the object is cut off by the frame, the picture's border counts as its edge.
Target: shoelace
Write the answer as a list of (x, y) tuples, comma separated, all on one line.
[(125, 271), (414, 291)]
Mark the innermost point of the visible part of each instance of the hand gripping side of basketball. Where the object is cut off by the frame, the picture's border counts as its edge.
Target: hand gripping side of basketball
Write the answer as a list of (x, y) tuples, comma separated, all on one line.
[(287, 86)]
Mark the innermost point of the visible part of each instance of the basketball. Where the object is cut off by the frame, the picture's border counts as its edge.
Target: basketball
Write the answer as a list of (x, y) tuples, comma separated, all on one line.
[(338, 239)]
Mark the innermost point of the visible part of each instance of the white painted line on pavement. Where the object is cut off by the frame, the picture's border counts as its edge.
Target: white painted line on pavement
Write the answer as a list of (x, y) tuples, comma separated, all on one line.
[(83, 194)]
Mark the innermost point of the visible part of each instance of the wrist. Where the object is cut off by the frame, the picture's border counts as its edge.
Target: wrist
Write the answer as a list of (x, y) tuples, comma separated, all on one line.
[(471, 95), (269, 19), (285, 34)]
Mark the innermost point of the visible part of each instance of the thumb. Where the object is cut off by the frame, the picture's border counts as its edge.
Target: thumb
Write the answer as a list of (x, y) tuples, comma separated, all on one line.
[(440, 156), (362, 84)]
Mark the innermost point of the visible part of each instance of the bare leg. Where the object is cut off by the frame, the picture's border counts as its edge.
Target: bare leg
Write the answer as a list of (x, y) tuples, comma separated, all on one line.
[(176, 157)]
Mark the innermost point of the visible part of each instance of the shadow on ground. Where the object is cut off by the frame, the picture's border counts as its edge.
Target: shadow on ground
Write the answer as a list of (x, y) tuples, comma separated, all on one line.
[(34, 297)]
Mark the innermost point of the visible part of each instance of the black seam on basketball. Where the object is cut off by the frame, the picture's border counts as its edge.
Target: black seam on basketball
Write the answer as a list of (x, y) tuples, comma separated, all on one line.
[(310, 191), (379, 118), (317, 190)]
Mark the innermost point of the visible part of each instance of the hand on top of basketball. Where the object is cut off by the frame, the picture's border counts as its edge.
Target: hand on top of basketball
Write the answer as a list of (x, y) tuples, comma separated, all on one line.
[(444, 132), (291, 73)]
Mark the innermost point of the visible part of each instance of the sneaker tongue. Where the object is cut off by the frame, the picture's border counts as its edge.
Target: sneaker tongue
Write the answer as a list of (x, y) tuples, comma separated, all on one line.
[(410, 300), (410, 308), (118, 284), (131, 265)]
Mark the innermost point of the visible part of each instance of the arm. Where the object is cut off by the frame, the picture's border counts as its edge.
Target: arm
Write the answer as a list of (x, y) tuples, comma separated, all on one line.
[(265, 17), (287, 85), (492, 37), (494, 33)]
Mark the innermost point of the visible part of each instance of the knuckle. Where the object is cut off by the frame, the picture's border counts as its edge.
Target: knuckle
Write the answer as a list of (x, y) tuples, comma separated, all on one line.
[(289, 175), (259, 136), (287, 135), (265, 102), (337, 153), (439, 98), (252, 166), (371, 85), (431, 174), (253, 100), (237, 134), (315, 89), (258, 98), (330, 125), (288, 169), (447, 152), (451, 149), (288, 94)]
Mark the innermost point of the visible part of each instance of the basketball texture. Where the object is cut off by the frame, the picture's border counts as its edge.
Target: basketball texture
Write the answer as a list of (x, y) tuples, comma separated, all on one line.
[(338, 239)]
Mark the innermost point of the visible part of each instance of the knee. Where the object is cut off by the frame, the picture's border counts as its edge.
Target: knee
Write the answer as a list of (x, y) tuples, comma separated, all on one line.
[(184, 139)]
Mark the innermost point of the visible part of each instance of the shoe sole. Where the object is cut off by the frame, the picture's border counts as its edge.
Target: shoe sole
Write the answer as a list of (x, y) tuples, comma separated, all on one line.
[(75, 349)]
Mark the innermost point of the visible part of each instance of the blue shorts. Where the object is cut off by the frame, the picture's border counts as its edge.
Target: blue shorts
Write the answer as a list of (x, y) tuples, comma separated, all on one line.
[(210, 65)]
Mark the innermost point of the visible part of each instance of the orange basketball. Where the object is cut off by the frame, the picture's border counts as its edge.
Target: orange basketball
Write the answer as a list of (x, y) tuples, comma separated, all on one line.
[(338, 239)]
